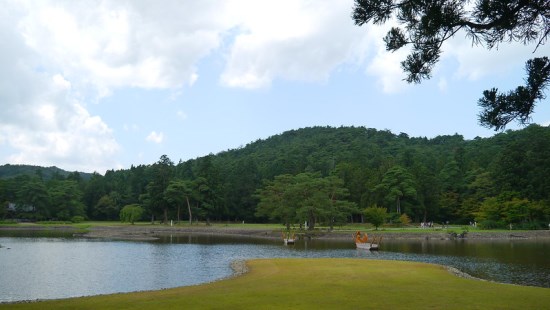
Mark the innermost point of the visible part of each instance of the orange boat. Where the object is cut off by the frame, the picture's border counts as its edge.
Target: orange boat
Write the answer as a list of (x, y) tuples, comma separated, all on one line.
[(362, 241)]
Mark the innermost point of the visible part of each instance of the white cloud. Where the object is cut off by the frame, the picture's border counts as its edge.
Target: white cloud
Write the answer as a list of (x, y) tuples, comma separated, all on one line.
[(467, 61), (294, 40), (155, 137), (475, 62), (386, 67), (104, 45), (113, 44), (42, 122), (181, 115), (59, 56)]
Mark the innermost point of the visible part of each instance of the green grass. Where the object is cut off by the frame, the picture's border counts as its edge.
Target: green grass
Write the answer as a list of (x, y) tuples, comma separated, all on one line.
[(324, 284), (349, 228)]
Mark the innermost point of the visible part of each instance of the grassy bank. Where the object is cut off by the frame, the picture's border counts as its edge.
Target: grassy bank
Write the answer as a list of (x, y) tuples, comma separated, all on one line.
[(325, 284), (148, 231)]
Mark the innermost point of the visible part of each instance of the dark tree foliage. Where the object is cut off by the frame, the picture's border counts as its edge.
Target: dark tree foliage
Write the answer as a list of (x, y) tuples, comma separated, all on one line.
[(426, 24), (495, 181), (500, 109)]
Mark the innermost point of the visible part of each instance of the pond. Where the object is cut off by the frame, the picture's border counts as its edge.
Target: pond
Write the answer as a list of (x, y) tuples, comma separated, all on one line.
[(60, 266)]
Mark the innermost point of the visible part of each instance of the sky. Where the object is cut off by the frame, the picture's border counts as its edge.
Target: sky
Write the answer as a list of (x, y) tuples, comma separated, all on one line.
[(97, 85)]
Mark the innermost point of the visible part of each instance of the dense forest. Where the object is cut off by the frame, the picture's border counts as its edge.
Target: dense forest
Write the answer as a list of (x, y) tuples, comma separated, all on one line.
[(323, 175)]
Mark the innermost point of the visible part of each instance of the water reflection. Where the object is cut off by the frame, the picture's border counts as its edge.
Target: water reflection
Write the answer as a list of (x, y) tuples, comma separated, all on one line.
[(42, 268)]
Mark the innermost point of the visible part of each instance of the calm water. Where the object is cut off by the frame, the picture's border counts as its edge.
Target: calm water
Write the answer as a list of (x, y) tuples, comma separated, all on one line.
[(57, 266)]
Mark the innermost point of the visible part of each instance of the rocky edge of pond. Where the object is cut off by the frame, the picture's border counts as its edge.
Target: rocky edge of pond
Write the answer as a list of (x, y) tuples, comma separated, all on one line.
[(144, 233), (154, 232)]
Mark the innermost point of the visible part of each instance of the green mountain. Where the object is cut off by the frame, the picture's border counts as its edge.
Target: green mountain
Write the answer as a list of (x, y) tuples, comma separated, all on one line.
[(10, 171), (496, 181)]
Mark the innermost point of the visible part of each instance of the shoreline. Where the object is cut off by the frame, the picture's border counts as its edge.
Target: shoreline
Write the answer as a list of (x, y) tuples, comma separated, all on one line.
[(154, 232), (240, 267)]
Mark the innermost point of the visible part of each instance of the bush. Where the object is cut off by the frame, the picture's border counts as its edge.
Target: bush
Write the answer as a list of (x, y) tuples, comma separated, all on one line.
[(531, 226), (491, 224), (405, 219), (9, 222), (131, 213), (52, 222), (77, 219)]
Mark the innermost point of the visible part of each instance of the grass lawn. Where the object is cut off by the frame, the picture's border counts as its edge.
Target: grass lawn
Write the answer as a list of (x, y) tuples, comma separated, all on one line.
[(324, 284)]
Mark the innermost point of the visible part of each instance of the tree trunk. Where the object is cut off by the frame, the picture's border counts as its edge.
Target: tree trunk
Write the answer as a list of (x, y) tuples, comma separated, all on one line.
[(425, 216), (178, 216), (165, 215), (311, 222), (189, 210), (398, 205)]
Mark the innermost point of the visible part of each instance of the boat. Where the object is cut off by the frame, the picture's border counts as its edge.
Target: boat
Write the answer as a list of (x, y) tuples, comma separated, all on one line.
[(287, 239), (362, 242)]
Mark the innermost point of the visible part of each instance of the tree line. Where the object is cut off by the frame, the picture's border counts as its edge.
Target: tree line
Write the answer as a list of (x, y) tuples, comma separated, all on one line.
[(322, 175)]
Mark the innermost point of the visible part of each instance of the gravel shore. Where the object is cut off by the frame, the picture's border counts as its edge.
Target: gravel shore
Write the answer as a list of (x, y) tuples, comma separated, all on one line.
[(153, 232)]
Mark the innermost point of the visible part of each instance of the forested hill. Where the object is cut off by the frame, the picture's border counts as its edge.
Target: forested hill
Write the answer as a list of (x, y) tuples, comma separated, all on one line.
[(10, 171), (497, 180)]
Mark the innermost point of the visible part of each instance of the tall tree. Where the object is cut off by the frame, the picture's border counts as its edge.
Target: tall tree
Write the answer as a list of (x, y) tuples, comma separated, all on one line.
[(108, 207), (275, 200), (396, 185), (427, 24), (339, 209), (178, 192), (66, 198), (304, 197), (162, 174), (376, 215), (34, 195), (94, 190)]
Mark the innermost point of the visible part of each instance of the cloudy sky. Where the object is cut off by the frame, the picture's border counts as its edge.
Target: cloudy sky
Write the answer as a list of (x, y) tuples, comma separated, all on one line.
[(97, 85)]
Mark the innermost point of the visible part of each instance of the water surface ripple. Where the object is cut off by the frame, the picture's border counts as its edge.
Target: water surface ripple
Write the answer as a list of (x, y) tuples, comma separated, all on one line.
[(47, 268)]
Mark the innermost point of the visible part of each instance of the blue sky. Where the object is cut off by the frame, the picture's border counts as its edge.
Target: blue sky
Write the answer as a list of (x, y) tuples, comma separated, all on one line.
[(97, 85)]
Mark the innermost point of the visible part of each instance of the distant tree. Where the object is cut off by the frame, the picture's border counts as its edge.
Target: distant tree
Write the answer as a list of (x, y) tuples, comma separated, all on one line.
[(508, 208), (404, 219), (66, 199), (3, 199), (339, 208), (375, 215), (396, 185), (429, 23), (310, 198), (131, 213), (94, 190), (34, 195), (304, 197), (177, 193), (206, 198), (275, 201), (107, 207), (163, 171)]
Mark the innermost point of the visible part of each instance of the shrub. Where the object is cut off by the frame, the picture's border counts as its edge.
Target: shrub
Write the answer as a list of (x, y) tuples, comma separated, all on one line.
[(77, 219), (131, 213), (531, 225), (405, 219), (491, 224)]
